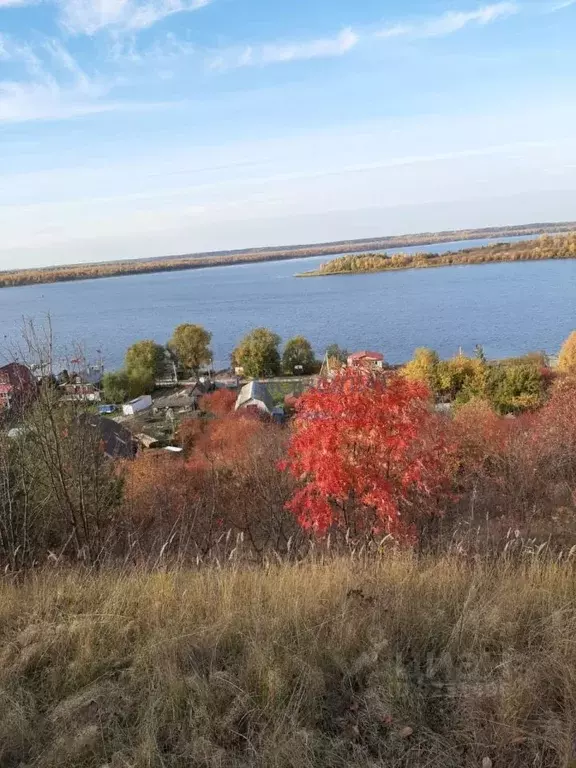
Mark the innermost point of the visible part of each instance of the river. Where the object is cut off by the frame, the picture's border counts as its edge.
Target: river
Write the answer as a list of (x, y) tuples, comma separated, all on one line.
[(509, 308)]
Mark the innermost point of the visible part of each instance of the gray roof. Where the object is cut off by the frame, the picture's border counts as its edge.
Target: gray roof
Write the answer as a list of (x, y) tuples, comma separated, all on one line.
[(255, 390), (119, 443)]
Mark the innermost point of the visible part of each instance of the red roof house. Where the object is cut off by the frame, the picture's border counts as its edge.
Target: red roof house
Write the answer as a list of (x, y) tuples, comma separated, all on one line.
[(366, 359), (17, 384)]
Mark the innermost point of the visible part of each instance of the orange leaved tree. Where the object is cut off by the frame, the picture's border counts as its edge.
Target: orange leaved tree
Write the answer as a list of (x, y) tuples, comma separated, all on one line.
[(370, 455), (219, 403)]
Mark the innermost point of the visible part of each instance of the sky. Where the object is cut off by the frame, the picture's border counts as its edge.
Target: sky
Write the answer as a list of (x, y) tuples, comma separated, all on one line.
[(139, 128)]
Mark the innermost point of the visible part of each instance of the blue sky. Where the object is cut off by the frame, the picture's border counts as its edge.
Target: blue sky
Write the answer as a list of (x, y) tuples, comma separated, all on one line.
[(150, 127)]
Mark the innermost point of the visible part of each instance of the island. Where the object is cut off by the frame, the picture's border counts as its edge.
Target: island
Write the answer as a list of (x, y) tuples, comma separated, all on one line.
[(547, 247), (90, 271)]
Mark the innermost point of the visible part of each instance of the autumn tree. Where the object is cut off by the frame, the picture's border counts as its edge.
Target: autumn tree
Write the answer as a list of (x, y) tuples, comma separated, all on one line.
[(258, 353), (517, 473), (219, 403), (298, 354), (369, 454), (462, 378), (191, 345), (423, 368), (143, 364), (63, 484), (238, 458), (567, 358)]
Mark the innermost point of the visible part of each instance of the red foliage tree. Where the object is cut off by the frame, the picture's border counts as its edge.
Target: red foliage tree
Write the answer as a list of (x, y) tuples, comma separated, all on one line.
[(518, 473), (219, 403), (370, 454), (227, 441), (189, 432)]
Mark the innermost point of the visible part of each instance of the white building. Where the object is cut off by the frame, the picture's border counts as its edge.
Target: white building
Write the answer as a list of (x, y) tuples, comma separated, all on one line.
[(255, 395), (137, 405)]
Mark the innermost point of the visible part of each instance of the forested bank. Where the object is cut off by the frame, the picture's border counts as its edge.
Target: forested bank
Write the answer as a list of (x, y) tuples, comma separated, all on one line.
[(547, 247), (91, 271)]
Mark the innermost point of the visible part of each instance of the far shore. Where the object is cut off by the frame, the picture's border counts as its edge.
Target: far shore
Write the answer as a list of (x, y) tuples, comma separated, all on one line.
[(316, 273), (547, 248), (73, 272)]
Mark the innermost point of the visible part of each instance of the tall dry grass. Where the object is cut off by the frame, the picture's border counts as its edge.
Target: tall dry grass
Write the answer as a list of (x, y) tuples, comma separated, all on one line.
[(393, 662)]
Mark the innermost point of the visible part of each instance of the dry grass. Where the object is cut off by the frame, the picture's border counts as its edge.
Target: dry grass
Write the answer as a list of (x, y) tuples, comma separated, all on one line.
[(393, 663)]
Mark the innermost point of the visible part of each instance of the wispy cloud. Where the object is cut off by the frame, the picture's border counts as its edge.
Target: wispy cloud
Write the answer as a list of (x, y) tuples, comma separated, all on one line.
[(272, 53), (559, 6), (451, 22), (90, 16), (51, 85), (348, 39), (14, 3), (166, 49)]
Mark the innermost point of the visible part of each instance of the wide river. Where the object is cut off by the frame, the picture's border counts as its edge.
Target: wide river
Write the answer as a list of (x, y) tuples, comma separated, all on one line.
[(509, 308)]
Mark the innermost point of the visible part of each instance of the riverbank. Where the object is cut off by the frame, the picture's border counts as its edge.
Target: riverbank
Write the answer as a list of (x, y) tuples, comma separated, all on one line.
[(546, 248), (73, 272)]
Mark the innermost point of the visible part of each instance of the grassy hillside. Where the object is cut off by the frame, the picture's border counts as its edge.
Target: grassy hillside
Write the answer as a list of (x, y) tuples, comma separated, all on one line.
[(393, 663)]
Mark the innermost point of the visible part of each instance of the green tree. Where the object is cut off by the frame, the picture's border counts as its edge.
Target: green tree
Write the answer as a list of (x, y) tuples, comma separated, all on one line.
[(144, 363), (479, 353), (140, 383), (116, 387), (298, 353), (191, 345), (567, 358), (424, 367), (258, 353), (334, 352), (515, 388)]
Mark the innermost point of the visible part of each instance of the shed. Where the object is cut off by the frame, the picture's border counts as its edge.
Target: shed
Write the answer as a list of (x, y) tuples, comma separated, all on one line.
[(137, 405), (146, 441), (117, 441), (255, 394)]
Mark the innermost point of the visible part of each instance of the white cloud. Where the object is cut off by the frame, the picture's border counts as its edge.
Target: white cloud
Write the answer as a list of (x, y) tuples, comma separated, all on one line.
[(558, 6), (52, 85), (14, 3), (89, 16), (23, 102), (20, 102), (272, 53), (165, 50), (348, 39), (451, 22)]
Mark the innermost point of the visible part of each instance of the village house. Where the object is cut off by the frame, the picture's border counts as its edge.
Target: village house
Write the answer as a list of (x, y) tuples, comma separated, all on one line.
[(17, 385), (255, 396), (365, 359), (117, 441), (86, 393)]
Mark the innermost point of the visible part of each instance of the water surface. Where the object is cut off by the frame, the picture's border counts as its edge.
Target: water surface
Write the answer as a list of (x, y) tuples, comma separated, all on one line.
[(509, 308)]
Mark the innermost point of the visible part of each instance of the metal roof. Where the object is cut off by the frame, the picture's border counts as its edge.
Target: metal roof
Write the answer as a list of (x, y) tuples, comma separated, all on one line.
[(255, 390), (366, 354)]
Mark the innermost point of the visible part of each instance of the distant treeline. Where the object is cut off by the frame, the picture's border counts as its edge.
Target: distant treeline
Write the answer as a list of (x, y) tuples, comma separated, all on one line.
[(226, 258), (546, 247)]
